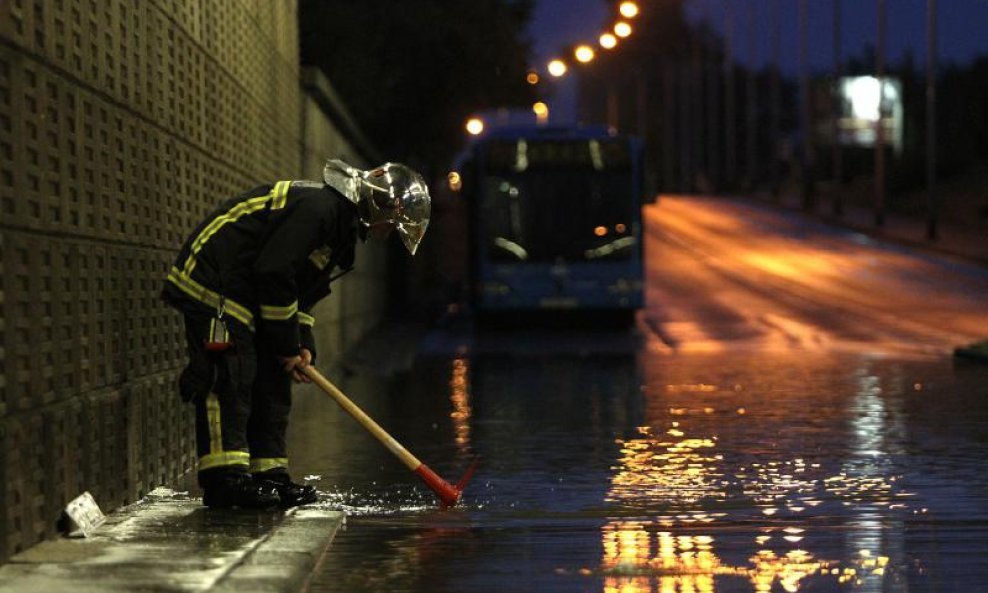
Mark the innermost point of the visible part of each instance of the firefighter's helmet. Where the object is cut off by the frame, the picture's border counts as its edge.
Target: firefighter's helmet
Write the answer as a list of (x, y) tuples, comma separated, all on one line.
[(389, 194)]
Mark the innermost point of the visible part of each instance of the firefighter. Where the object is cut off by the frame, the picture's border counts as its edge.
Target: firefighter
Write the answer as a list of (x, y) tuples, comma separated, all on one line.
[(246, 281)]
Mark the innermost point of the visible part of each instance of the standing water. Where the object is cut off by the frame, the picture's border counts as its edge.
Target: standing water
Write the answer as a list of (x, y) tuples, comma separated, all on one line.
[(629, 469)]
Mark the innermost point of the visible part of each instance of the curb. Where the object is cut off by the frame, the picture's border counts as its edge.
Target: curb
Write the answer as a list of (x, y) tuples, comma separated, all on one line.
[(977, 352), (877, 233), (172, 544), (285, 561), (914, 243)]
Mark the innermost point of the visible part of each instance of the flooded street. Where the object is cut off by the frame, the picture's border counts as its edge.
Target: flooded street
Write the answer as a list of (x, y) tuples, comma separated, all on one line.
[(761, 429), (711, 473)]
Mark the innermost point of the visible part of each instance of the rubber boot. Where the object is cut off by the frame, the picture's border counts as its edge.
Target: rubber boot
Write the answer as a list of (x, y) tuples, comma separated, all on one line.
[(290, 493), (229, 489)]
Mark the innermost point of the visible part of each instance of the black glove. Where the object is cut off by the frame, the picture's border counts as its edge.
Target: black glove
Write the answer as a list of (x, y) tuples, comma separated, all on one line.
[(307, 340)]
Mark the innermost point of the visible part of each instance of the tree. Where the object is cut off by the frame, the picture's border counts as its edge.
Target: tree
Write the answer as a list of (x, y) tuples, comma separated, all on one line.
[(412, 72)]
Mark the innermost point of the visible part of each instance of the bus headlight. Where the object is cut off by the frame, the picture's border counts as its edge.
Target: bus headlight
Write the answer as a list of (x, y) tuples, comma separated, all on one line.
[(494, 288), (625, 286)]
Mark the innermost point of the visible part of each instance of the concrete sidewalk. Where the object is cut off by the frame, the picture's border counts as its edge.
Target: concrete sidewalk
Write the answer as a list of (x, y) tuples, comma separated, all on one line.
[(168, 542), (965, 242)]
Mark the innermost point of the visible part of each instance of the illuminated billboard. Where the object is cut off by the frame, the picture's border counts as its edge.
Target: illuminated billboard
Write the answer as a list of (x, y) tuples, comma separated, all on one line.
[(862, 99)]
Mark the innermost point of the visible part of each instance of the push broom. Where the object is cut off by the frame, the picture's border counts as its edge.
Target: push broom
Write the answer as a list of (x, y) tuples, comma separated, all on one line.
[(448, 493)]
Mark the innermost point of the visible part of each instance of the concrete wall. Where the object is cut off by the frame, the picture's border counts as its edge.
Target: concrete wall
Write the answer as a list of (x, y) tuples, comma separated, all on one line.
[(121, 124)]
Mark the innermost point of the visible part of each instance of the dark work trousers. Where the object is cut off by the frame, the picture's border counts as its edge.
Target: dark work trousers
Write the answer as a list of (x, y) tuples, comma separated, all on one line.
[(270, 405), (242, 398)]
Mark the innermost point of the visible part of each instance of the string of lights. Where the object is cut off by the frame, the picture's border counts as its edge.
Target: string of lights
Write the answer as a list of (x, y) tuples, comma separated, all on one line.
[(583, 53)]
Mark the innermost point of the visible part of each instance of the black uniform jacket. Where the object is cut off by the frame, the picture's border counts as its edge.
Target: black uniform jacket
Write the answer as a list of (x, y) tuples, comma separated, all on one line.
[(265, 258)]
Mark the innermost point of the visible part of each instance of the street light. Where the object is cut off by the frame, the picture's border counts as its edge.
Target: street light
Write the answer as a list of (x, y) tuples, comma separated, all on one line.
[(532, 78), (557, 68), (622, 29), (454, 180), (475, 126), (608, 41), (628, 10), (541, 111), (583, 54)]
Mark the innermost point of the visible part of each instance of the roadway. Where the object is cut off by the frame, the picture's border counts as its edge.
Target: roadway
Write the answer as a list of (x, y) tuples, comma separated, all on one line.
[(730, 274), (786, 416)]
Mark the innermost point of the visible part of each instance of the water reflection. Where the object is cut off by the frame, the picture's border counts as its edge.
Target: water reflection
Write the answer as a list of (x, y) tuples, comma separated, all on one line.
[(459, 396), (670, 466), (876, 434), (638, 559), (675, 468), (687, 474), (678, 563)]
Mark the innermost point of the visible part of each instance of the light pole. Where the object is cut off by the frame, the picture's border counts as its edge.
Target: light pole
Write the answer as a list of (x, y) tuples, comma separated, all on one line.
[(931, 118), (880, 123), (730, 117), (712, 70), (696, 89), (686, 108), (776, 107), (838, 155), (668, 122), (806, 162), (751, 134)]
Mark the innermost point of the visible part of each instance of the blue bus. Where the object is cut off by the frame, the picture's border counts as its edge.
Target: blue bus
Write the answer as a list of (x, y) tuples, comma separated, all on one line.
[(554, 220)]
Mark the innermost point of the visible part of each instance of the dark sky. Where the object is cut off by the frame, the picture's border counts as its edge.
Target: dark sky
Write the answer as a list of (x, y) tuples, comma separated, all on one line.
[(961, 27)]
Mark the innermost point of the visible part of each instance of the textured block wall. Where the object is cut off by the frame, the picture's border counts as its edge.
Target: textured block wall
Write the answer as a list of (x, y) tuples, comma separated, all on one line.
[(122, 122)]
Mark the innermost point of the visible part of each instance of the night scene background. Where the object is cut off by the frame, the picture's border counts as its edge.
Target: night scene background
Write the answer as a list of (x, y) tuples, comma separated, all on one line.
[(704, 287), (475, 61), (728, 96)]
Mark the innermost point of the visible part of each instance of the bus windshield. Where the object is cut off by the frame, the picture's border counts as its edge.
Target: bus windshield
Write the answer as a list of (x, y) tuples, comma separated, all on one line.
[(558, 200)]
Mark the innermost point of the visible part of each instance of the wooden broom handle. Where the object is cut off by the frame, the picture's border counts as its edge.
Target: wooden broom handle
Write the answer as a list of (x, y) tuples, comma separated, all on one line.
[(366, 421)]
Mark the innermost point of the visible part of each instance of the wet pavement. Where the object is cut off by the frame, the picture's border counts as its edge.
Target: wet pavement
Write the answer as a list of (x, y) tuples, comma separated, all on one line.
[(785, 416), (169, 543), (669, 473)]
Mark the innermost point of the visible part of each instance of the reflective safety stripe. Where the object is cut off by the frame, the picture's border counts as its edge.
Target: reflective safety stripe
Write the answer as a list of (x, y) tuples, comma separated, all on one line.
[(272, 313), (209, 298), (280, 193), (276, 198), (243, 208), (217, 457), (182, 278), (269, 463), (214, 420), (306, 319), (226, 458)]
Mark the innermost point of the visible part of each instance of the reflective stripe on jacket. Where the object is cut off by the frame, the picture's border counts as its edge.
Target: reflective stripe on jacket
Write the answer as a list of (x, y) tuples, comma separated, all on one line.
[(266, 257)]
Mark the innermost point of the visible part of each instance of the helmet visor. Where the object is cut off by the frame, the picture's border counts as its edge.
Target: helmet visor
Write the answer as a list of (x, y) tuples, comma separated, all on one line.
[(414, 211), (397, 194), (411, 234)]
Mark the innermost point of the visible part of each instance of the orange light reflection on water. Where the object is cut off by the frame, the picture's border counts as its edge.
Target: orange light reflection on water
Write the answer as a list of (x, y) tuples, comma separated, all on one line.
[(647, 556), (640, 559), (459, 395), (667, 466)]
